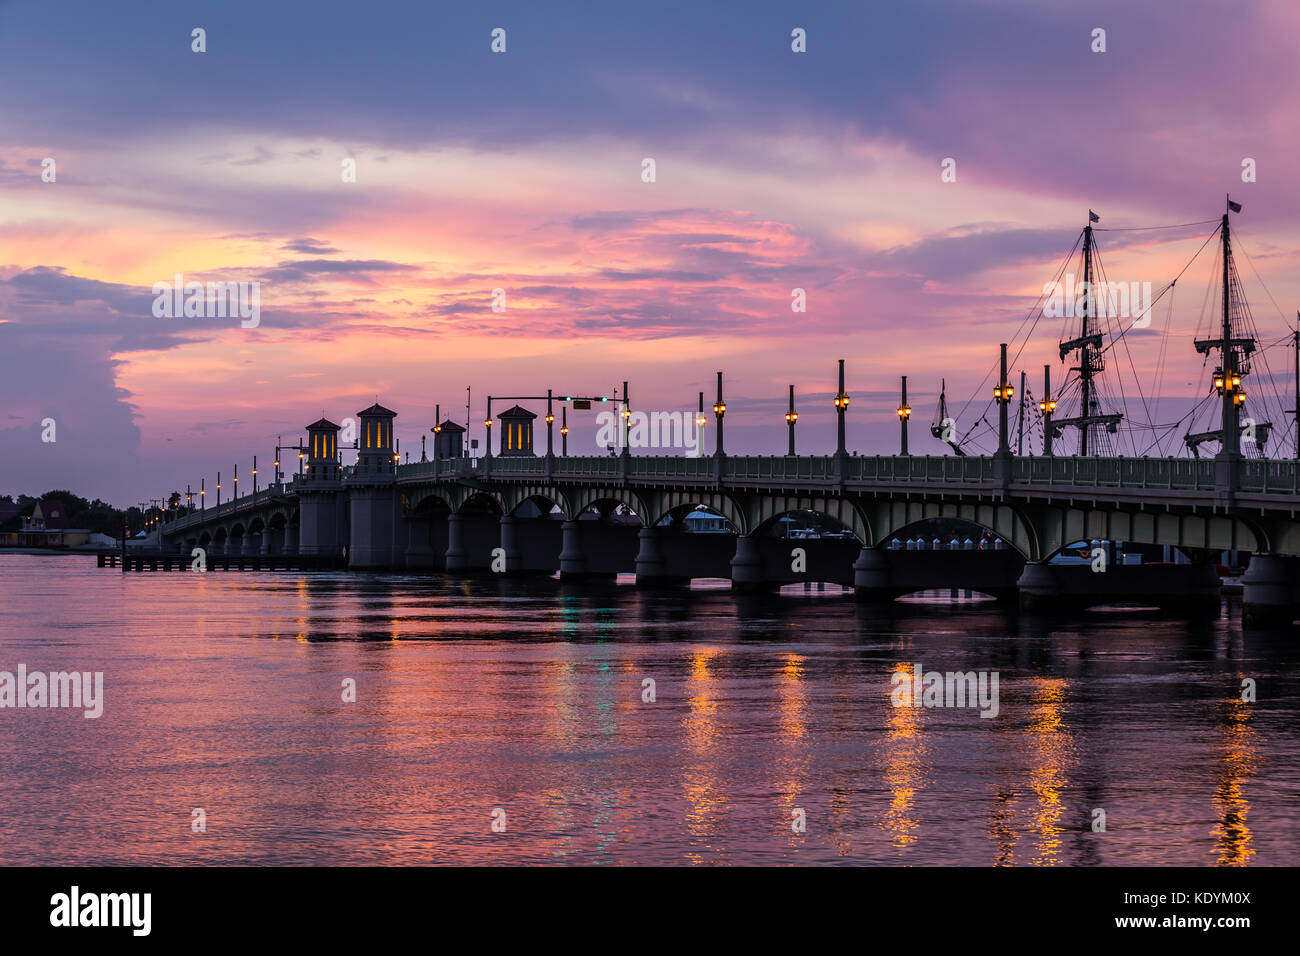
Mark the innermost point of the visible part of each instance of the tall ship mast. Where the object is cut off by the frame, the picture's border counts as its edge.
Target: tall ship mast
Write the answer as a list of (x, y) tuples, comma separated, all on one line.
[(1235, 344), (943, 427), (1095, 425)]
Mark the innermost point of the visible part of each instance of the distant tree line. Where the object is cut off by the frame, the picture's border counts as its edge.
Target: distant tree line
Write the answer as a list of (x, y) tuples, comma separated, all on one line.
[(76, 512)]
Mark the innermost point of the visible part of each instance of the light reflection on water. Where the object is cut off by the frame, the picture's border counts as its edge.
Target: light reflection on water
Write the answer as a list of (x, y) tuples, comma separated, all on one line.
[(223, 691)]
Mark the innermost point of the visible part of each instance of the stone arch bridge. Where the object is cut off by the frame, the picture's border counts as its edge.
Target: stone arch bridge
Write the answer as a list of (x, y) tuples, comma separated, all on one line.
[(599, 516)]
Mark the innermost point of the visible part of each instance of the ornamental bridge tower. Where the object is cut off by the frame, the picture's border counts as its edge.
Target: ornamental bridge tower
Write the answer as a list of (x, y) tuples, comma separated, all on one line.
[(321, 528), (372, 500)]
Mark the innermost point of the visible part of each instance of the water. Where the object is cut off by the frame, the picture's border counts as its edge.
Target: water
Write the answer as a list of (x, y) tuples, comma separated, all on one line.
[(223, 691)]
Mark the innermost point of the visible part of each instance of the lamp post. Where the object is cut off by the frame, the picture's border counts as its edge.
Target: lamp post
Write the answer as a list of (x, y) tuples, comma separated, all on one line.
[(235, 494), (564, 431), (202, 491), (254, 474), (719, 409), (700, 421), (841, 406), (904, 413), (550, 423), (1003, 393), (437, 430), (627, 422), (1047, 406), (218, 489), (791, 417)]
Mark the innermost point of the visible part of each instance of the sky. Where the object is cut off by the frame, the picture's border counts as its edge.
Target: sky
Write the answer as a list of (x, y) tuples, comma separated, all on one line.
[(523, 170)]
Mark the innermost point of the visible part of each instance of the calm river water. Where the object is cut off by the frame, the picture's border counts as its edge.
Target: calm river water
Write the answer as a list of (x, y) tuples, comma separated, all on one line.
[(224, 691)]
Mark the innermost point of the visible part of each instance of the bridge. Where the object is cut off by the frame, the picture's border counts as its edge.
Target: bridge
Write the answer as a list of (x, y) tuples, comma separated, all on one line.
[(598, 516), (520, 512)]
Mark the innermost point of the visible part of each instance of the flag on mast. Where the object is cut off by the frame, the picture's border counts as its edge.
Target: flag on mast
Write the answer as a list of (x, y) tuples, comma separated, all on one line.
[(1093, 217), (1234, 206)]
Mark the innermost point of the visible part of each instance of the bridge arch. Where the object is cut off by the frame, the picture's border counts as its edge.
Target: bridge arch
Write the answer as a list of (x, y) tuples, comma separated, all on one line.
[(671, 503), (765, 510), (544, 497), (583, 498), (431, 500), (1062, 526), (1008, 522), (482, 501), (971, 529)]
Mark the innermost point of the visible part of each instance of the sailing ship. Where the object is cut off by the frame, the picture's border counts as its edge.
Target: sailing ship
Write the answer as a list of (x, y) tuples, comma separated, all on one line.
[(1094, 423), (1235, 345), (944, 427)]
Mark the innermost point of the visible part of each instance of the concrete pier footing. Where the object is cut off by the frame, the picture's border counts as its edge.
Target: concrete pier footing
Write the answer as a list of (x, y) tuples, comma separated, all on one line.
[(1270, 589), (1191, 589)]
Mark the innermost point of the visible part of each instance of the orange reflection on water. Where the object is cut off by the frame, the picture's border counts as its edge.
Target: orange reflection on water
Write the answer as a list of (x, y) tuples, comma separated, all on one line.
[(705, 800), (791, 700), (905, 770), (1051, 749), (792, 727), (1237, 763), (560, 711)]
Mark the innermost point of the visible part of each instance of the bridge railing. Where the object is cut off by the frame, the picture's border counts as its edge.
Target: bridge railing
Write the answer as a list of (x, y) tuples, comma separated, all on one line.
[(667, 466), (940, 468), (224, 509), (1176, 473), (742, 467), (1191, 474), (1267, 475)]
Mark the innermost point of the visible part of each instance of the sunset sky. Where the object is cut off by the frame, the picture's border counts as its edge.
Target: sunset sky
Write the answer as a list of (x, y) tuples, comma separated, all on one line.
[(523, 171)]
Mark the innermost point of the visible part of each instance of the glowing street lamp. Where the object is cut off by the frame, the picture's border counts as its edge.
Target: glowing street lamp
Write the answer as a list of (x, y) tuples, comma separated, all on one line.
[(841, 406), (904, 413), (791, 417), (719, 409)]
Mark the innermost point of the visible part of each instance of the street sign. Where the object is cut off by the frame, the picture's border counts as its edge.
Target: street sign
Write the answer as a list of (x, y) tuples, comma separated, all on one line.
[(582, 403)]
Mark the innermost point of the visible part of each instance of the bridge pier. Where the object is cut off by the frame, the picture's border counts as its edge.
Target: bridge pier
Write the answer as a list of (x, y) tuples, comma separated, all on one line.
[(573, 560), (456, 558), (596, 548), (872, 576), (652, 561), (513, 556), (471, 536), (1270, 589), (290, 539), (1190, 589), (747, 575), (373, 526), (419, 542), (320, 524)]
